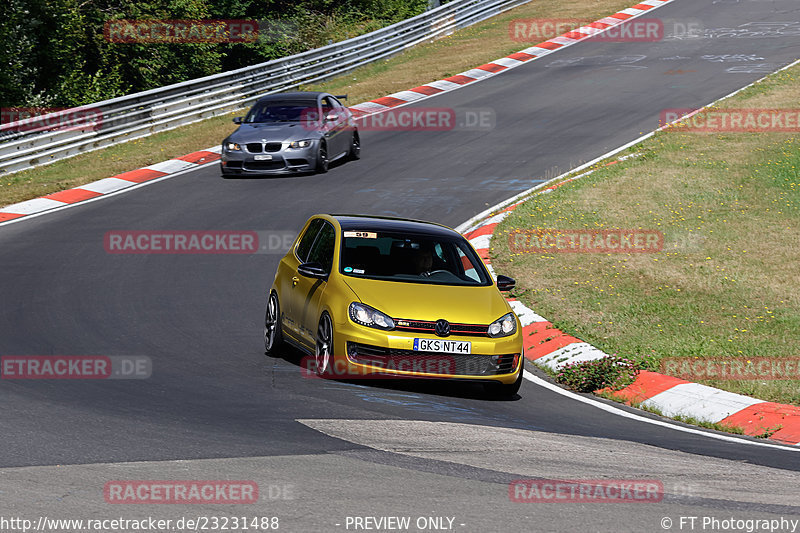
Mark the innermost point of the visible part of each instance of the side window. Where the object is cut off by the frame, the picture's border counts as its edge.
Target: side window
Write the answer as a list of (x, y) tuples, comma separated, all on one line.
[(307, 239), (469, 268), (327, 107), (322, 251)]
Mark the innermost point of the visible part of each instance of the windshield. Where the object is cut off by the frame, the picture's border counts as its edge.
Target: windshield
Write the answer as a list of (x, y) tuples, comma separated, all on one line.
[(411, 258), (282, 111)]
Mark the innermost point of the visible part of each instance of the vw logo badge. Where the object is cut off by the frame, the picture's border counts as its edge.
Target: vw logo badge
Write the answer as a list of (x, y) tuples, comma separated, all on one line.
[(442, 327)]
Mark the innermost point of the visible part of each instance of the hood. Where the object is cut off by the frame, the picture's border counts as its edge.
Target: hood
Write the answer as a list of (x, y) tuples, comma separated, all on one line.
[(272, 132), (419, 301)]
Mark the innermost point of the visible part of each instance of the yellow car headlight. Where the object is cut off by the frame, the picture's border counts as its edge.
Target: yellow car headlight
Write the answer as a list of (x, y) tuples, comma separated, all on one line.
[(370, 317), (503, 327)]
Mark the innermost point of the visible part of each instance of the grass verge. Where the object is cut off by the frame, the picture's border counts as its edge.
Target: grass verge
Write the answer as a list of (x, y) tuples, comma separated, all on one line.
[(725, 286), (422, 64)]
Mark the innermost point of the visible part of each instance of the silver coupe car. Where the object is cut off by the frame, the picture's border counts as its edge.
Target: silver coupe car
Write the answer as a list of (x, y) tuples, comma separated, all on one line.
[(289, 133)]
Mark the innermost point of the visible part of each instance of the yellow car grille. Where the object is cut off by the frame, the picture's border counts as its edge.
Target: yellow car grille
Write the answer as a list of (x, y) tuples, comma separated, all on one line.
[(423, 326)]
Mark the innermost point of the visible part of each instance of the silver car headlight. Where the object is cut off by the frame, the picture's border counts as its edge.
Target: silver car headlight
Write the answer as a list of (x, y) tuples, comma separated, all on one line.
[(233, 146), (503, 327), (305, 143), (369, 316)]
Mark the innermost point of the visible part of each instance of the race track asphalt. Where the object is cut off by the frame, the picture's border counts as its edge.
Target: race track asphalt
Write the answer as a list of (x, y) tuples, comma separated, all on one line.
[(213, 394)]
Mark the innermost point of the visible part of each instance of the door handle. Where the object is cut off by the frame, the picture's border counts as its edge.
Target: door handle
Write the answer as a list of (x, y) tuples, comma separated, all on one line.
[(295, 279)]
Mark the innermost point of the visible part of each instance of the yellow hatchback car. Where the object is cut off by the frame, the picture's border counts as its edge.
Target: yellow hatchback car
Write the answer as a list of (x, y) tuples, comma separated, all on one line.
[(388, 297)]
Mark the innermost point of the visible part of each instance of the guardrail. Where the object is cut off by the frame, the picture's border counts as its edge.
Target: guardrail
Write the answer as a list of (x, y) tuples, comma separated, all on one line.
[(138, 115)]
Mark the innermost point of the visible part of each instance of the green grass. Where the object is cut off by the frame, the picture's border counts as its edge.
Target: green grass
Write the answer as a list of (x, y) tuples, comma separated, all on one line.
[(726, 284)]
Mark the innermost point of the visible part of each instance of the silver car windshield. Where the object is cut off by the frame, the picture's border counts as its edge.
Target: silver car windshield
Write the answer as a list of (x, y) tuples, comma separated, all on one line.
[(411, 258), (282, 111)]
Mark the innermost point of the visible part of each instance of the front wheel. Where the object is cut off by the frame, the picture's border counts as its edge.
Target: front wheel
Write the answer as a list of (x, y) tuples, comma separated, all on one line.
[(273, 336), (324, 347), (355, 147), (501, 391), (322, 158)]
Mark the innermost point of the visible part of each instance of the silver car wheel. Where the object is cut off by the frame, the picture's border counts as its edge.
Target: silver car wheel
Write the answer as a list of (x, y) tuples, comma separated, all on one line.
[(324, 345), (271, 322)]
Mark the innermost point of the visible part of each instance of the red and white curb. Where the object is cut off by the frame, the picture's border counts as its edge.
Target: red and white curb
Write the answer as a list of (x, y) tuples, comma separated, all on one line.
[(549, 347), (110, 185), (137, 177)]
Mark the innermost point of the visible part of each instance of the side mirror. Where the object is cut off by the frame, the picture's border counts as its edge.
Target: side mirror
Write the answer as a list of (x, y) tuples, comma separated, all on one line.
[(312, 270), (504, 283), (237, 120)]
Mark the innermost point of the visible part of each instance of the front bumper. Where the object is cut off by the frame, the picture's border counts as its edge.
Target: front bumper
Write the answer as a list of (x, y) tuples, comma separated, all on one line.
[(360, 351), (284, 161)]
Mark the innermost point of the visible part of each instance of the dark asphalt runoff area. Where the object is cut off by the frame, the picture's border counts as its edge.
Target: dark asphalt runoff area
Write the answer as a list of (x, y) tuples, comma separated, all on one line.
[(213, 394)]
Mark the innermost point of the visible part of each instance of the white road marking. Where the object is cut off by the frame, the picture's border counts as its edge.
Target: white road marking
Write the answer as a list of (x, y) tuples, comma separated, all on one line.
[(525, 313), (625, 414), (700, 401), (107, 185), (32, 206), (172, 165), (577, 352)]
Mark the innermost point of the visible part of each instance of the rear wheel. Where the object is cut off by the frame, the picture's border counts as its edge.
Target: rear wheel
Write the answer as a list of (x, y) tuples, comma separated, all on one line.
[(324, 350), (322, 158), (273, 336), (355, 147)]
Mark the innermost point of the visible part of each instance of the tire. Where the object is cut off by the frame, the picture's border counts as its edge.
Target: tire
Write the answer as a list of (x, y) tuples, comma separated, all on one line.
[(355, 147), (500, 391), (273, 336), (322, 158), (323, 354)]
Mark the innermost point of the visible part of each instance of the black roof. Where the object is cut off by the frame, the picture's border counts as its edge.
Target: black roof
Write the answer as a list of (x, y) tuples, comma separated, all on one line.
[(403, 225), (296, 95)]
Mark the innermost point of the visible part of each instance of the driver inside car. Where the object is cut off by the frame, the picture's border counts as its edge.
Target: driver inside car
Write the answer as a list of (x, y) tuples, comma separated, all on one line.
[(423, 260)]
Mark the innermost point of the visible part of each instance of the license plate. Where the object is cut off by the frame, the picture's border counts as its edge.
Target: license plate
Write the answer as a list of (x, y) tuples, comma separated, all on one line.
[(262, 157), (442, 346)]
